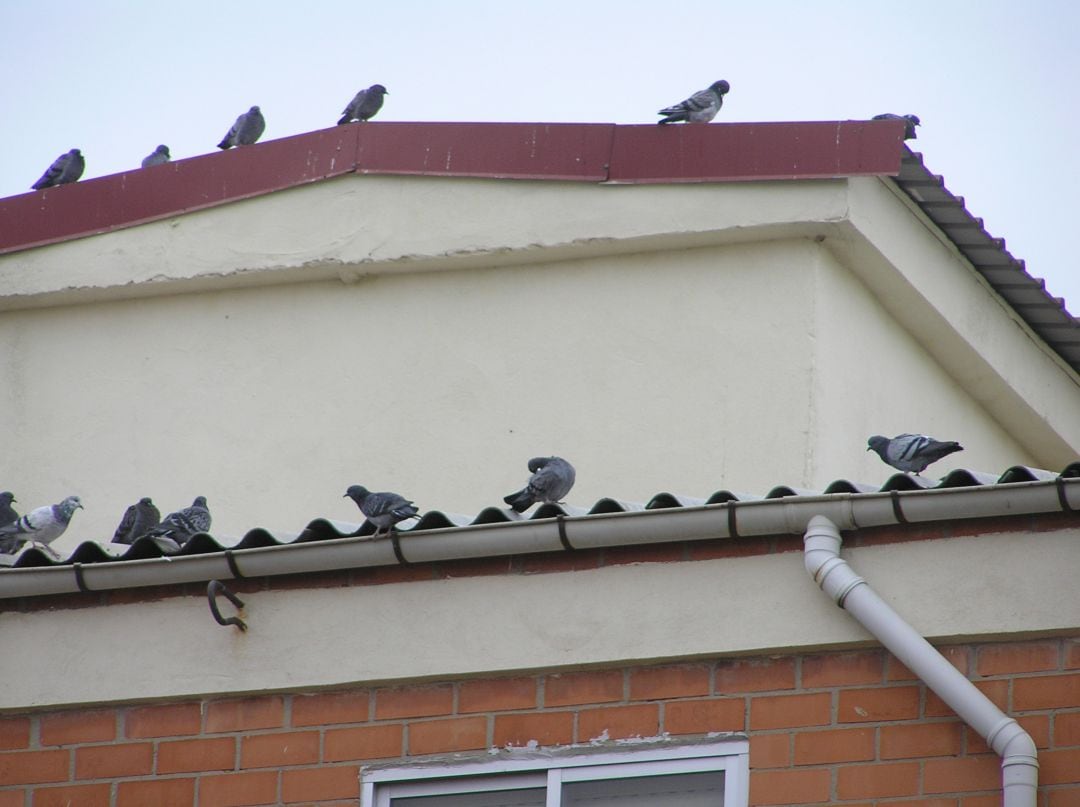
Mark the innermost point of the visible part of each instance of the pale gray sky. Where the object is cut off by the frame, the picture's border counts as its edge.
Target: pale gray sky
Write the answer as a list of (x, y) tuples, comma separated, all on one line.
[(992, 81)]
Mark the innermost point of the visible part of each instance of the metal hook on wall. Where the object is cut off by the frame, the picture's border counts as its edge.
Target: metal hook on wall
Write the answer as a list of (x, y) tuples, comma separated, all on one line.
[(212, 590)]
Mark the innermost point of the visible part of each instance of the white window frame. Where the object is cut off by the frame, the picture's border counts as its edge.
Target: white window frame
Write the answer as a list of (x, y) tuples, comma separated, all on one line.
[(732, 756)]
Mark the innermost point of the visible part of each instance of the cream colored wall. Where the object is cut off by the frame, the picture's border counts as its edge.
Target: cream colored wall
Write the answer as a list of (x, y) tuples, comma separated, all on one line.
[(959, 589)]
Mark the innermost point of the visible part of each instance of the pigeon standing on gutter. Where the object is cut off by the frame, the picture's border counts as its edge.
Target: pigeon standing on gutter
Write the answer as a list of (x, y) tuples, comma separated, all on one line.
[(68, 167), (701, 107), (247, 129), (157, 157), (910, 121), (384, 509), (911, 452), (552, 478), (138, 520), (364, 104), (182, 525), (41, 526)]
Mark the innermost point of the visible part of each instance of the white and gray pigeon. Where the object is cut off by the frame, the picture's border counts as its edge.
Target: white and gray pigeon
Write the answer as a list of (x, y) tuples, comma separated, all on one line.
[(247, 129), (911, 452), (701, 107), (184, 524), (364, 104), (7, 516), (383, 509), (911, 122), (138, 520), (41, 526), (157, 156), (68, 167), (552, 478)]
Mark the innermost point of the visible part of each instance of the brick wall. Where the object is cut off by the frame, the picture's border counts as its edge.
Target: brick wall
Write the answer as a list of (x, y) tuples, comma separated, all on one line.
[(852, 728)]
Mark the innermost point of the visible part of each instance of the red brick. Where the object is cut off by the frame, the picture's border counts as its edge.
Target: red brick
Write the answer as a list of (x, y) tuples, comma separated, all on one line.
[(1018, 657), (331, 707), (755, 675), (992, 800), (475, 567), (873, 536), (957, 655), (363, 742), (1038, 726), (729, 548), (74, 796), (14, 733), (163, 721), (226, 790), (381, 575), (703, 716), (319, 784), (245, 714), (843, 669), (1046, 692), (187, 756), (644, 553), (921, 740), (682, 681), (921, 803), (880, 780), (108, 761), (1067, 728), (12, 798), (790, 711), (1058, 797), (573, 689), (770, 750), (545, 728), (1072, 654), (158, 792), (561, 561), (31, 767), (1059, 767), (420, 701), (834, 745), (454, 734), (789, 787), (276, 750), (966, 773), (618, 722), (497, 695), (65, 728), (996, 690), (879, 704)]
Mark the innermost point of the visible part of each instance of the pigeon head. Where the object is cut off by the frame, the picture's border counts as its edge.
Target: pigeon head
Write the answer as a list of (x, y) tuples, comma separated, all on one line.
[(7, 497), (357, 493), (70, 505), (720, 86), (162, 149), (913, 120), (878, 443), (379, 88), (200, 501), (75, 153), (145, 500), (254, 111)]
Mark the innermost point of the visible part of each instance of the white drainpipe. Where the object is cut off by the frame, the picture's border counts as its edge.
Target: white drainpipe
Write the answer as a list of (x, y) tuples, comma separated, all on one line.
[(1019, 760)]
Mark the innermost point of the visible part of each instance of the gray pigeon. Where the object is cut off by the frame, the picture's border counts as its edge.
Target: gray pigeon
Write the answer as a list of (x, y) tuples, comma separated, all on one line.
[(701, 107), (911, 452), (364, 104), (65, 168), (384, 510), (182, 525), (138, 520), (911, 122), (7, 516), (247, 129), (552, 478), (157, 157), (41, 526)]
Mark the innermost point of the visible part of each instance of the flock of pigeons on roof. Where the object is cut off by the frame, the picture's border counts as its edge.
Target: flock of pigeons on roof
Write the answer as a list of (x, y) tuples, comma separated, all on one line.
[(551, 478), (701, 107)]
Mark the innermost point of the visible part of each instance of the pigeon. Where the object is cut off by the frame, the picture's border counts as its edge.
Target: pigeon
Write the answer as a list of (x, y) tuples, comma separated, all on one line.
[(157, 157), (701, 107), (384, 510), (247, 129), (182, 525), (911, 452), (41, 526), (552, 478), (7, 516), (65, 168), (138, 520), (364, 104), (911, 122)]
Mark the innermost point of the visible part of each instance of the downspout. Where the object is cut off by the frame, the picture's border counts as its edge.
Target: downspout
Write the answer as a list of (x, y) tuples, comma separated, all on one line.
[(1019, 761)]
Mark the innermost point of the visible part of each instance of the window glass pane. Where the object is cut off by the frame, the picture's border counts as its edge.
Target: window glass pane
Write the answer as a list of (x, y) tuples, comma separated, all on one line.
[(531, 797), (679, 790)]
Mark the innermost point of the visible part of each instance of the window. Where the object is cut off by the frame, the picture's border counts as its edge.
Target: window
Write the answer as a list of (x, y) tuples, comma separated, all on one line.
[(701, 774)]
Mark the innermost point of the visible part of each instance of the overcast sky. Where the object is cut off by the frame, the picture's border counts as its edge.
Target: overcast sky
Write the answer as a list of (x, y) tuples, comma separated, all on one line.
[(994, 82)]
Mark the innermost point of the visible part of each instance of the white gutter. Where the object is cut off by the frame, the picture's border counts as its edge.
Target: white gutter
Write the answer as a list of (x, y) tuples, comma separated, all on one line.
[(1019, 760)]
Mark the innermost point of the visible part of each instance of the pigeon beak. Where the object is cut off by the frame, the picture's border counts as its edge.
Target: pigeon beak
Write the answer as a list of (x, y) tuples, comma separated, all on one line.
[(869, 448)]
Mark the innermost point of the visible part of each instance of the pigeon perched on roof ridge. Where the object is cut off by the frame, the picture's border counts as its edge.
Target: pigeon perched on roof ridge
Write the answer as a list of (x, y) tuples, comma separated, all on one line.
[(8, 515), (701, 107), (552, 478), (911, 453), (910, 121), (384, 509), (182, 525), (158, 156), (66, 168), (245, 131), (40, 526), (364, 104), (138, 520)]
